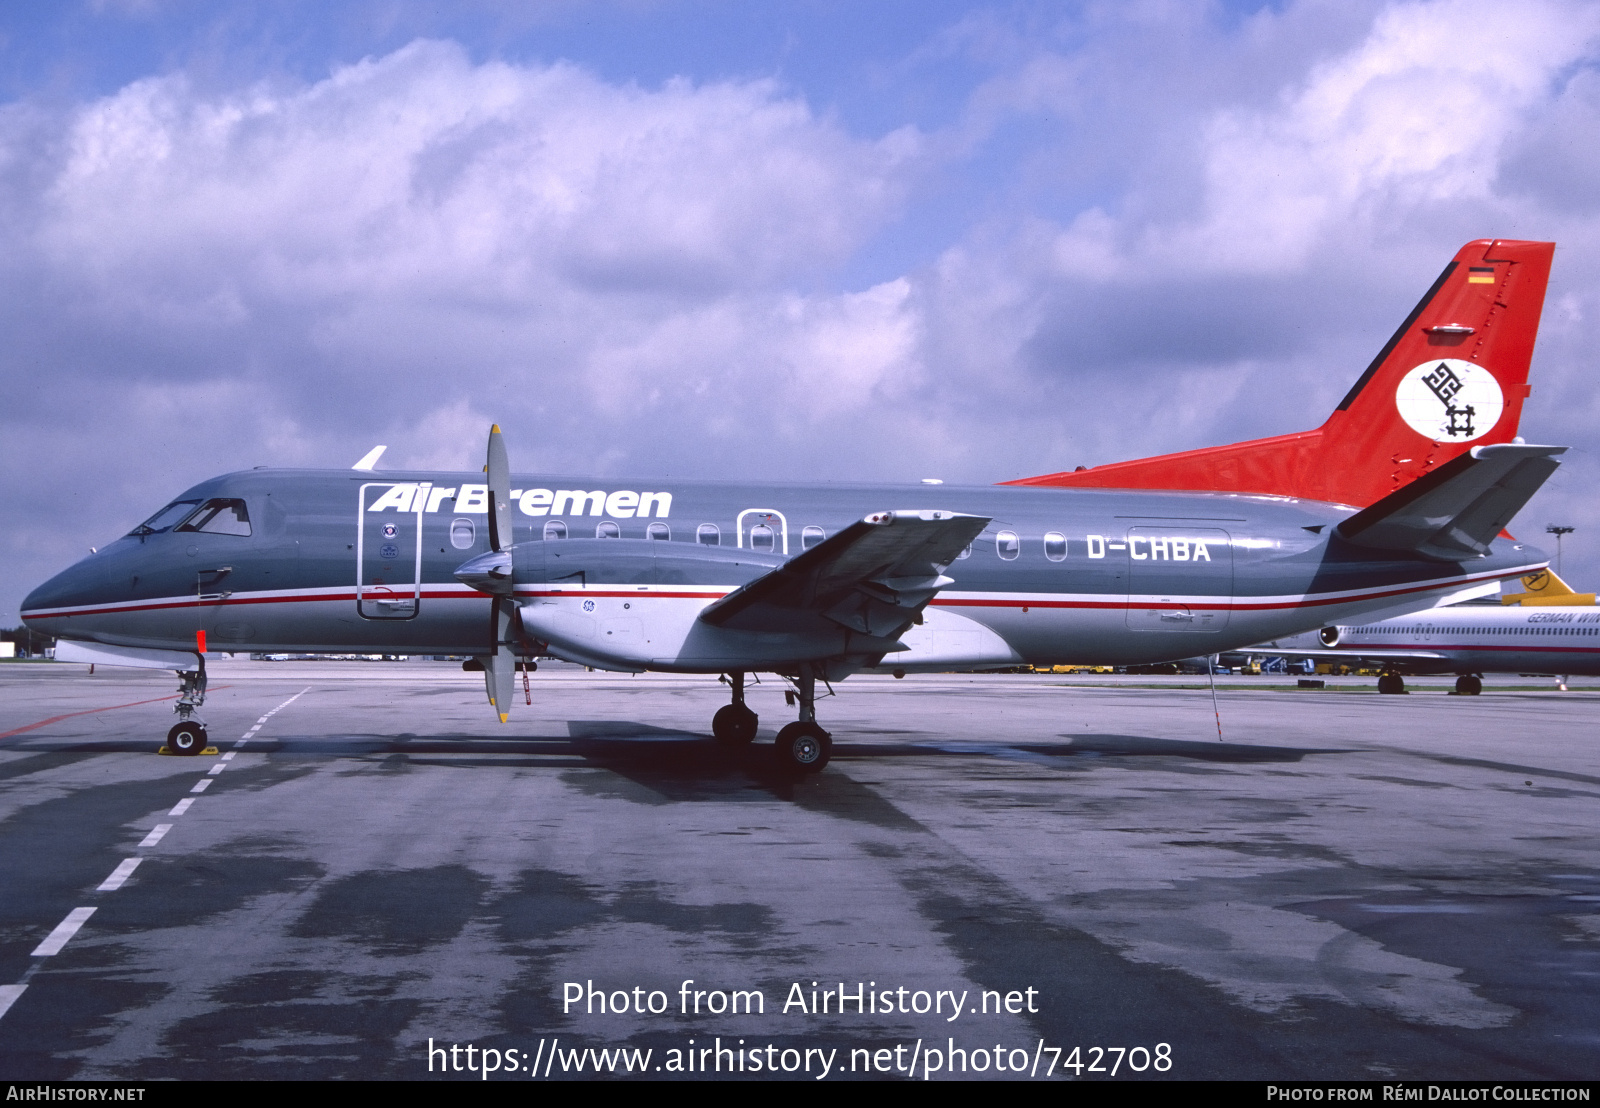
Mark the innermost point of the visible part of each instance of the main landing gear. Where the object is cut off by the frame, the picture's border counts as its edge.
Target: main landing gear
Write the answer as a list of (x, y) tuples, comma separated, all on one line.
[(804, 747), (735, 724), (1469, 684), (1391, 683), (188, 735)]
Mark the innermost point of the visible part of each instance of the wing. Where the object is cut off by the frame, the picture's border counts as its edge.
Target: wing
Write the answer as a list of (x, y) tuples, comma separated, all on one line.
[(874, 577)]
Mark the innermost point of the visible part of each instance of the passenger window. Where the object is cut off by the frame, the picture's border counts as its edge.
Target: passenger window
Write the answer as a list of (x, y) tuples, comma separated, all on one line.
[(219, 517), (166, 517), (762, 538), (1055, 546), (462, 533), (555, 529), (708, 535), (1007, 546), (605, 529), (811, 536), (658, 531)]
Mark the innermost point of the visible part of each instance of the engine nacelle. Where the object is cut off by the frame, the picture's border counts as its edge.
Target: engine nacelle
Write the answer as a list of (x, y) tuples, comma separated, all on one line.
[(1329, 636)]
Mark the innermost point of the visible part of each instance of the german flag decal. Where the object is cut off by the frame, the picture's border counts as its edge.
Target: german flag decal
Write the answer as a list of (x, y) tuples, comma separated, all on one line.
[(1480, 275)]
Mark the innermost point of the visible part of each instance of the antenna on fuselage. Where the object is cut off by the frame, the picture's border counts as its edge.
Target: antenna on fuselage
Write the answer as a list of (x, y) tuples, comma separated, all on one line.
[(370, 459)]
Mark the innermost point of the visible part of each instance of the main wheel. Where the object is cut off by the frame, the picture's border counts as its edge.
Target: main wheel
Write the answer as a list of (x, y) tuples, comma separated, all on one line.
[(803, 748), (187, 738), (1391, 683), (1469, 685), (734, 725)]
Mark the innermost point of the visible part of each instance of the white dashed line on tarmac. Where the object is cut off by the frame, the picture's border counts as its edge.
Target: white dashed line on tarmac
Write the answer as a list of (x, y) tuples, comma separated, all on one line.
[(76, 918), (67, 928), (123, 871)]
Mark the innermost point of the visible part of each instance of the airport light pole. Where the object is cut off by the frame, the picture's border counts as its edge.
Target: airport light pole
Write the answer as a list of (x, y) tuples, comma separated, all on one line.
[(1552, 529)]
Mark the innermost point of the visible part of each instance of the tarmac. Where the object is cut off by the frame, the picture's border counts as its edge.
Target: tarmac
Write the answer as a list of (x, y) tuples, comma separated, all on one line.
[(1023, 873)]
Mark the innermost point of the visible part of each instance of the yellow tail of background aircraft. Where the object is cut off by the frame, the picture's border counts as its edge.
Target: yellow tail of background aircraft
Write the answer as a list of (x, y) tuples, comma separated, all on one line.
[(1545, 588)]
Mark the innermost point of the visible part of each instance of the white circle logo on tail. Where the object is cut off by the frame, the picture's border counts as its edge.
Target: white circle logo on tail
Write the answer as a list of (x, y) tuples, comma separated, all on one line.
[(1450, 400)]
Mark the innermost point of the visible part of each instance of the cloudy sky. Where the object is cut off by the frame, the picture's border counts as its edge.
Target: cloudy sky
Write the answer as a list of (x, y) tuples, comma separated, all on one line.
[(792, 240)]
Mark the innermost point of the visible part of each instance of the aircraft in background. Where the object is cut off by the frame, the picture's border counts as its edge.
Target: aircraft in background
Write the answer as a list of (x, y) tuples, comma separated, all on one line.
[(823, 581), (1548, 628)]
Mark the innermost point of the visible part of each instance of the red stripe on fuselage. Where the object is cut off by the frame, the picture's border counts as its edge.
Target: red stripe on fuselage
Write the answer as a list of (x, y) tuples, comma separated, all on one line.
[(1496, 648)]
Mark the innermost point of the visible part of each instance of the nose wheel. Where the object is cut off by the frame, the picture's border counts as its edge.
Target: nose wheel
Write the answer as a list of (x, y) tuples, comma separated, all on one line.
[(188, 735), (187, 738)]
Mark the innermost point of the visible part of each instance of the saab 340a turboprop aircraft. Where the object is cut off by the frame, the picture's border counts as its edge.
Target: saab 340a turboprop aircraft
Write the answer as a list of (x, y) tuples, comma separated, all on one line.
[(1146, 561)]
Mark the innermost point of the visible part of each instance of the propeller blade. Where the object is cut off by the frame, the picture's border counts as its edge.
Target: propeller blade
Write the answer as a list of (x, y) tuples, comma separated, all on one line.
[(499, 471), (499, 669)]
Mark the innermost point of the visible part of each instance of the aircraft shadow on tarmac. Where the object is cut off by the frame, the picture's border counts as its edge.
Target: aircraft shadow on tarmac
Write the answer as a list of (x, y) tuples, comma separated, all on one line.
[(619, 741), (646, 764)]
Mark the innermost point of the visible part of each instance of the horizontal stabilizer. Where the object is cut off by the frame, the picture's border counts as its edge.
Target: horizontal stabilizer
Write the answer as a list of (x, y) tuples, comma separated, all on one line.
[(873, 577), (1456, 511)]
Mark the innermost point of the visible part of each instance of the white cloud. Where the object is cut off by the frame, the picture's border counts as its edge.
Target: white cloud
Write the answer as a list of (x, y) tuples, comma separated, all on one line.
[(422, 174), (647, 279)]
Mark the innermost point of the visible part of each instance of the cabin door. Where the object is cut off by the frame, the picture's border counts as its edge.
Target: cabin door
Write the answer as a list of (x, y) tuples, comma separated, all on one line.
[(389, 549)]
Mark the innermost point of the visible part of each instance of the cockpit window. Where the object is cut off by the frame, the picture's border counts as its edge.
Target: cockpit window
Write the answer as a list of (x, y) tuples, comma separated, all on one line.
[(219, 517), (166, 517)]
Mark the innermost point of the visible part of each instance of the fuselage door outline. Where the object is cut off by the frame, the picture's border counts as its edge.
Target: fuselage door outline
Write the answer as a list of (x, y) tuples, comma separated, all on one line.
[(1171, 566), (378, 598), (765, 516)]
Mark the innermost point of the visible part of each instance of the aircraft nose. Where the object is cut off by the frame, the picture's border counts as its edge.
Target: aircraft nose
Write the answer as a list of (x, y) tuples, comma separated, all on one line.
[(42, 608), (490, 573)]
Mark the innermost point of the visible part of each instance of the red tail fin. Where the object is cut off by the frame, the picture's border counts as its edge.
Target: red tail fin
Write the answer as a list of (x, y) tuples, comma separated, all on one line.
[(1453, 376)]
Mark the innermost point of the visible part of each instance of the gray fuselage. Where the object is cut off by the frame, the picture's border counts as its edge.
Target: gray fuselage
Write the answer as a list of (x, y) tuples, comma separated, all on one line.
[(342, 561)]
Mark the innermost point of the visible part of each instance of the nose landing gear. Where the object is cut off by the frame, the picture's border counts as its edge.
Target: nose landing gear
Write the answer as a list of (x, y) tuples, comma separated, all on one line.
[(188, 735)]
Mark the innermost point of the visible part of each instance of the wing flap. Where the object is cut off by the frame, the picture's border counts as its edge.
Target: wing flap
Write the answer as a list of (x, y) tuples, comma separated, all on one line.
[(873, 577)]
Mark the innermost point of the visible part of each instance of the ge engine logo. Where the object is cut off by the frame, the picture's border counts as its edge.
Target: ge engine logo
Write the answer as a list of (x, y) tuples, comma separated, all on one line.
[(1450, 400)]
